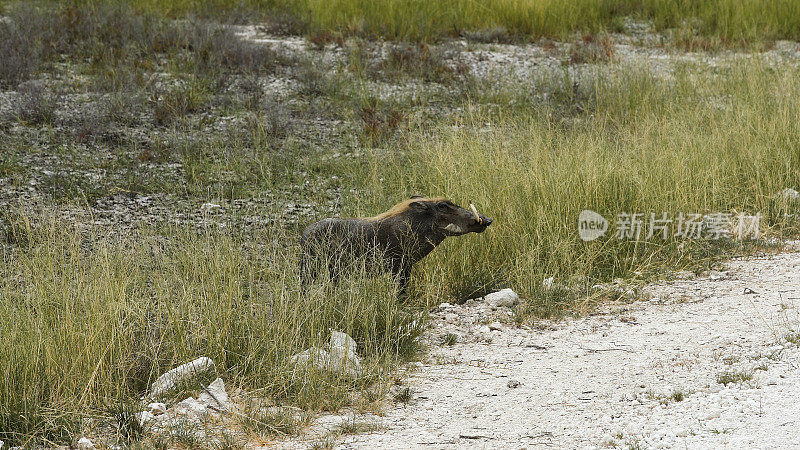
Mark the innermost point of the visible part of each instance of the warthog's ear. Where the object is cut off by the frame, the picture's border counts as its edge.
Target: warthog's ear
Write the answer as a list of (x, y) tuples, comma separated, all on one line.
[(417, 196), (419, 206)]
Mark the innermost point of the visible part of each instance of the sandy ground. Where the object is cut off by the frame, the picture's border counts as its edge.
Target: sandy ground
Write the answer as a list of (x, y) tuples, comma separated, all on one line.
[(615, 379)]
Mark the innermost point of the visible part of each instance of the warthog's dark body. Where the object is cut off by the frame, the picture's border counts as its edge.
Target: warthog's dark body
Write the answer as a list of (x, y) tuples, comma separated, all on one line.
[(393, 241)]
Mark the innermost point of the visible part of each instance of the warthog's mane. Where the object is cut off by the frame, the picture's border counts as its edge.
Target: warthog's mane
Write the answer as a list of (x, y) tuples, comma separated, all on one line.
[(403, 207)]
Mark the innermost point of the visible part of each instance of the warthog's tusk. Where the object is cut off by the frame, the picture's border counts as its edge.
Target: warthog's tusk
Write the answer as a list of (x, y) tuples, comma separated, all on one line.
[(475, 211)]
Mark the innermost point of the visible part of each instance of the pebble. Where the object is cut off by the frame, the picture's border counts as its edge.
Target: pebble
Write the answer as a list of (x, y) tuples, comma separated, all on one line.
[(85, 443), (157, 408)]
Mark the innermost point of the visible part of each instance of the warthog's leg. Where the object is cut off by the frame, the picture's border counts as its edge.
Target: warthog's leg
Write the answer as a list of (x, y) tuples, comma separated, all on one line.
[(402, 275)]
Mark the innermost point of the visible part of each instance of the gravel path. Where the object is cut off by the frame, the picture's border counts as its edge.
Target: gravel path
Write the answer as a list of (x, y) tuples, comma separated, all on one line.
[(641, 375)]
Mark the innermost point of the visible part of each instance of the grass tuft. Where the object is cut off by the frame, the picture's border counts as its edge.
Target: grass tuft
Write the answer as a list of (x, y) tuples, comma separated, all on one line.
[(728, 377)]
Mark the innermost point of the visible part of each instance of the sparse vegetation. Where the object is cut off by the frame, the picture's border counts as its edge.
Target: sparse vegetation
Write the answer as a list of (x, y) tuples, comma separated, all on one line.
[(36, 104), (677, 395), (792, 337), (206, 153), (127, 425), (403, 395), (734, 376), (355, 426), (270, 421), (450, 339), (592, 49)]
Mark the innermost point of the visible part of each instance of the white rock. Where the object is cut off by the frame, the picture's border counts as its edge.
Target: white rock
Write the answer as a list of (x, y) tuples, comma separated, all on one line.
[(144, 417), (85, 443), (484, 329), (342, 342), (190, 407), (314, 357), (208, 207), (495, 326), (215, 396), (789, 194), (504, 297), (607, 441), (716, 276), (169, 380), (343, 355), (446, 305), (157, 408), (451, 317)]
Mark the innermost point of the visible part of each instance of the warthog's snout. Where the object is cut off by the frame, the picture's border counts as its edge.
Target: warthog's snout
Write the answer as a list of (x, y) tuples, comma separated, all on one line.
[(481, 223)]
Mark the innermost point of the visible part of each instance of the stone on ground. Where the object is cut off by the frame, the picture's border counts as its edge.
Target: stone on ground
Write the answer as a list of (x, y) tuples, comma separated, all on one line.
[(169, 380)]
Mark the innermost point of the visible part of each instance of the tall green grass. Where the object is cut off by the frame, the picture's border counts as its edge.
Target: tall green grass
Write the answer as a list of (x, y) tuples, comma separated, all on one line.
[(699, 141), (91, 323), (732, 21)]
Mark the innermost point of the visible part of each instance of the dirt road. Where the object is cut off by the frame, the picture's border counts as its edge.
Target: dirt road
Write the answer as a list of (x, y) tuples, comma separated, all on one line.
[(704, 363)]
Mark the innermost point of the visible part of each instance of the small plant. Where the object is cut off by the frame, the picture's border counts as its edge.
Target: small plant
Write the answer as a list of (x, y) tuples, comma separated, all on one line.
[(319, 40), (161, 441), (689, 39), (228, 441), (450, 339), (380, 122), (550, 47), (172, 104), (592, 48), (731, 359), (36, 104), (271, 124), (313, 81), (403, 395), (494, 35), (677, 396), (354, 426), (423, 62), (270, 421), (185, 433), (19, 51), (15, 229), (633, 444), (128, 426), (216, 47), (664, 399), (371, 399), (327, 443), (728, 377), (792, 337)]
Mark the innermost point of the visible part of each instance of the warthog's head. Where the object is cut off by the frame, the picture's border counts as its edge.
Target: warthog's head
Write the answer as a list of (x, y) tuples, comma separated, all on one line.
[(449, 218)]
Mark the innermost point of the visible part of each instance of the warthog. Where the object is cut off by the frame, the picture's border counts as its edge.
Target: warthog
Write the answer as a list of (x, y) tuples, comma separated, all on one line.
[(392, 241)]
